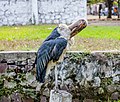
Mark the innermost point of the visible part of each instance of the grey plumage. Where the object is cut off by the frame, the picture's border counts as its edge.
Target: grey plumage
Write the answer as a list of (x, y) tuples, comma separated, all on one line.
[(51, 50)]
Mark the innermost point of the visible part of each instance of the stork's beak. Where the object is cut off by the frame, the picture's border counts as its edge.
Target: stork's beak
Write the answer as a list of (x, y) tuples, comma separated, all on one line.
[(77, 26)]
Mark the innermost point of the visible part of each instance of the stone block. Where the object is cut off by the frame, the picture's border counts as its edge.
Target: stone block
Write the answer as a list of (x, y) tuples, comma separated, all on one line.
[(111, 88), (118, 88), (52, 17), (12, 67), (115, 96), (42, 16), (1, 23), (7, 13), (88, 100), (56, 21), (47, 17), (5, 22), (3, 67), (68, 21), (43, 21), (63, 21), (46, 92), (48, 21), (63, 10), (57, 16), (97, 81), (116, 79), (1, 12), (27, 100), (43, 99), (60, 96), (5, 99), (75, 100), (16, 97)]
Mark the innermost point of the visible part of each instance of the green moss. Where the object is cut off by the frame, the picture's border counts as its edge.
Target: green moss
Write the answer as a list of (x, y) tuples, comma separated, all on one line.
[(76, 57), (10, 84)]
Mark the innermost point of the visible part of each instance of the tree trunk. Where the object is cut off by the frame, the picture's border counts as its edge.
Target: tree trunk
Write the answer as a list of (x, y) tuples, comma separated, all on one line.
[(118, 8), (109, 2)]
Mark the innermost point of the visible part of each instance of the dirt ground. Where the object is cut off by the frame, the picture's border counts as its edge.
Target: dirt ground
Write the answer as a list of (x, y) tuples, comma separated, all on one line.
[(93, 44), (81, 44)]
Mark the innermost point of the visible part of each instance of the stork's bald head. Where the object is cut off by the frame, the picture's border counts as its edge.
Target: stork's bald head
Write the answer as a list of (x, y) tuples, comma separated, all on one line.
[(73, 29), (64, 31)]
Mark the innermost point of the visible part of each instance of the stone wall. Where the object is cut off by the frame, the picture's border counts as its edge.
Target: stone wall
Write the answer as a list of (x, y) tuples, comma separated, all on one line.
[(19, 12), (13, 12), (89, 77), (61, 11)]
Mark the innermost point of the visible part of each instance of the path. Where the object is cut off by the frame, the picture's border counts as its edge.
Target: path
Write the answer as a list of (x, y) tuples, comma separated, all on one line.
[(94, 20)]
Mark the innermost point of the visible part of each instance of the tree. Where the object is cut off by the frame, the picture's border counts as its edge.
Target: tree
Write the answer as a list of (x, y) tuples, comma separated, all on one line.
[(109, 3), (94, 1), (118, 8)]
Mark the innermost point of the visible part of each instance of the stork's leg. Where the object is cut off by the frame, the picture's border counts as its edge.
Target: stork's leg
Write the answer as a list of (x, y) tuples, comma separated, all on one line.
[(56, 78), (62, 77)]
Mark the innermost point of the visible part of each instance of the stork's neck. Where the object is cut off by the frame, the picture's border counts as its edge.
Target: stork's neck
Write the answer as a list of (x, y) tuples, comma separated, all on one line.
[(64, 37), (64, 31)]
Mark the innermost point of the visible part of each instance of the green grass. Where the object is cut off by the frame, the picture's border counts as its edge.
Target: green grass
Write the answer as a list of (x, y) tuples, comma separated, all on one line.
[(31, 37), (42, 31), (25, 32), (107, 32)]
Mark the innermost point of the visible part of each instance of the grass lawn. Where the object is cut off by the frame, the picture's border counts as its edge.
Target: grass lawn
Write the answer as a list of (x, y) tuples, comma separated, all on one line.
[(31, 37)]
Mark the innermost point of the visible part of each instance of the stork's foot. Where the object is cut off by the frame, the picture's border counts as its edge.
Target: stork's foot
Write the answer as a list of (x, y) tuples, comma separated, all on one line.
[(56, 90), (64, 87), (46, 77)]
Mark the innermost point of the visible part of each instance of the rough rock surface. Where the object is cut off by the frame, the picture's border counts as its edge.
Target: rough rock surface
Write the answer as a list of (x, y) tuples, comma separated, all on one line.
[(61, 11), (19, 12), (89, 77)]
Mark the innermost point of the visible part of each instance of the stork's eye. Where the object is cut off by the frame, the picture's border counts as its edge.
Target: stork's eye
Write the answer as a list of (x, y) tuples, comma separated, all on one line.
[(61, 28)]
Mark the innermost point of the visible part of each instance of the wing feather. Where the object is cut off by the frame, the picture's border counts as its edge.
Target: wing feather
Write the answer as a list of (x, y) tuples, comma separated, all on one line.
[(42, 62), (60, 46), (49, 51)]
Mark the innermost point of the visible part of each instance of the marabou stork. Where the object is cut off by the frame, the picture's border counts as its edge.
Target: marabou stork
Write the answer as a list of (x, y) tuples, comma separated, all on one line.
[(54, 47)]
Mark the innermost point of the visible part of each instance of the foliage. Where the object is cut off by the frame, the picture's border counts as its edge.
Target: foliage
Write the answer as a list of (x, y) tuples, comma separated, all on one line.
[(108, 2), (23, 83), (95, 1)]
